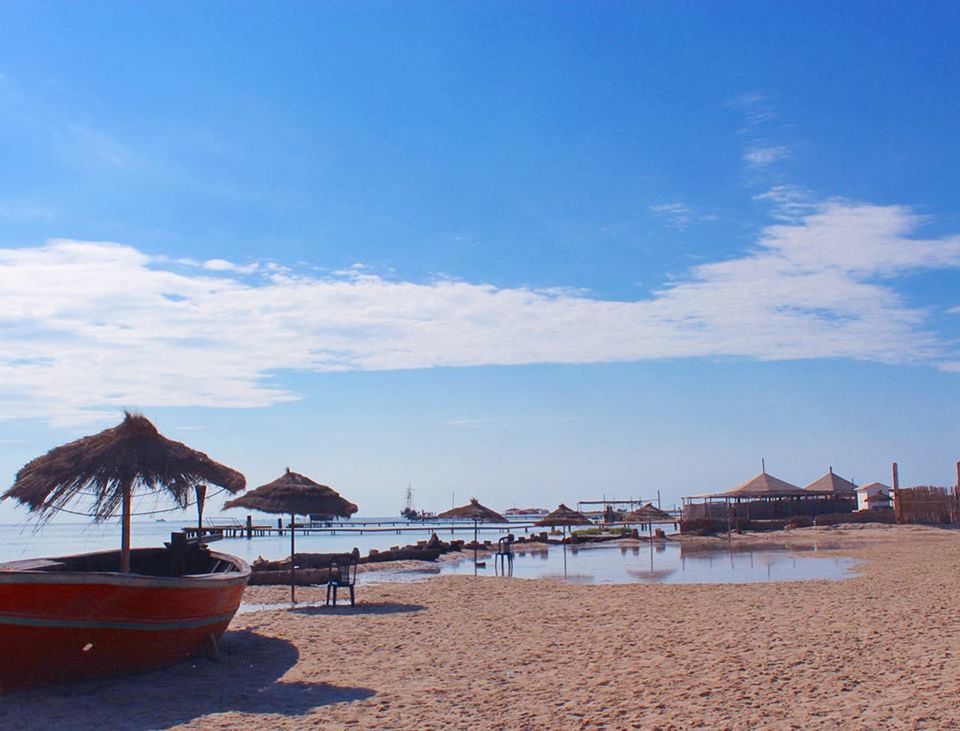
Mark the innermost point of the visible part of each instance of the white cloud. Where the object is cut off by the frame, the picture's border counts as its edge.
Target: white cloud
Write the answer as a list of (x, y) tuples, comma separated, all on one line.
[(762, 156), (88, 327)]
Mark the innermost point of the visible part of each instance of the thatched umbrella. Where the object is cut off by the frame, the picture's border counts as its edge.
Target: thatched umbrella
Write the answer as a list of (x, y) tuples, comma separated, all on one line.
[(295, 494), (478, 514), (649, 514), (111, 466), (564, 516)]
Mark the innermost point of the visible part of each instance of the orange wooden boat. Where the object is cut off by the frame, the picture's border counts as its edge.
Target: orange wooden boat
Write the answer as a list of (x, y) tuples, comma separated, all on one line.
[(79, 617)]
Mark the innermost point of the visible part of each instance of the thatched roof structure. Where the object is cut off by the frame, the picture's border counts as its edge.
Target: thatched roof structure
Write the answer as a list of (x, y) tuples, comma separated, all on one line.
[(295, 494), (763, 485), (564, 516), (832, 483), (474, 511), (649, 513), (103, 466), (879, 497)]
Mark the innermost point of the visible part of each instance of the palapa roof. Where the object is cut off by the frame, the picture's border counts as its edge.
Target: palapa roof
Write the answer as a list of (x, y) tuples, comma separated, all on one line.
[(648, 512), (132, 453), (295, 494), (474, 511), (879, 497), (763, 485), (831, 482), (564, 516)]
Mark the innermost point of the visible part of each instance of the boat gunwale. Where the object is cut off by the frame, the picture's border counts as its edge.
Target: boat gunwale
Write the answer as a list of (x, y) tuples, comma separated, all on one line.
[(10, 574)]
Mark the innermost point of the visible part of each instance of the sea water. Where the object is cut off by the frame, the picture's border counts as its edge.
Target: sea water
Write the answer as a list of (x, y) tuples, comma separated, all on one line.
[(669, 562), (22, 541)]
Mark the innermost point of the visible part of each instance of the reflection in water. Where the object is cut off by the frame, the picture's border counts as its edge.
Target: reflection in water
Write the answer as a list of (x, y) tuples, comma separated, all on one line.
[(660, 562)]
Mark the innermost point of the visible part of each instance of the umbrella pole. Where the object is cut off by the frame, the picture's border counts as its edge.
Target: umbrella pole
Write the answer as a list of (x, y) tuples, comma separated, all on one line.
[(474, 546), (293, 566), (125, 528)]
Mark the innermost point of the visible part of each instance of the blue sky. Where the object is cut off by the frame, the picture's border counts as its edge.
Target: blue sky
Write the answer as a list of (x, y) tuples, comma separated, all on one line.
[(532, 252)]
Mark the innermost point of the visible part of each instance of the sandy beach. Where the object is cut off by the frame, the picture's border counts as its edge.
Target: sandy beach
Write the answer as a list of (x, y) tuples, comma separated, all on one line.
[(877, 651)]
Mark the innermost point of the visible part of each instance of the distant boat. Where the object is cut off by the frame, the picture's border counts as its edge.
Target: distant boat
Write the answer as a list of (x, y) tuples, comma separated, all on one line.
[(79, 617), (411, 513)]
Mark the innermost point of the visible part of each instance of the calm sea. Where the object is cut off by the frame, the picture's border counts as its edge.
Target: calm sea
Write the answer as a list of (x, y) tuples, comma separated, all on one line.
[(58, 539)]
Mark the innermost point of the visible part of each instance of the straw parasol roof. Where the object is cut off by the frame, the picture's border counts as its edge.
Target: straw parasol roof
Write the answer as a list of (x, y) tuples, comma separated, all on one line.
[(564, 516), (648, 513), (474, 511), (832, 483), (764, 485), (130, 455), (295, 494)]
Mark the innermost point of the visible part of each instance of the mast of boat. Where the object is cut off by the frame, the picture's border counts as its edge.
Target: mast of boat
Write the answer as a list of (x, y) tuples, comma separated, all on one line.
[(409, 502)]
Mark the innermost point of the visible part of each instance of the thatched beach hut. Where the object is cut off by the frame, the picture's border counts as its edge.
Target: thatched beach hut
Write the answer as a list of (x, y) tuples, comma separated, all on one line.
[(763, 500), (834, 484)]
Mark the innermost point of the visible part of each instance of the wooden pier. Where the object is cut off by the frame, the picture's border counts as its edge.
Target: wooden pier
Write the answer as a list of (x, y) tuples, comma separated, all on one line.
[(216, 529)]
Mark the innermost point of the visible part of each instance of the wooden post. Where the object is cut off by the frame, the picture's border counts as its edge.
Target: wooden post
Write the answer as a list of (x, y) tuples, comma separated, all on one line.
[(125, 527), (293, 563), (897, 512), (249, 526), (280, 525), (201, 491), (956, 497)]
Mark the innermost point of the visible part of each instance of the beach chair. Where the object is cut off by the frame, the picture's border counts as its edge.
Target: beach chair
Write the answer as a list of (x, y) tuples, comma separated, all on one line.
[(504, 557), (343, 574)]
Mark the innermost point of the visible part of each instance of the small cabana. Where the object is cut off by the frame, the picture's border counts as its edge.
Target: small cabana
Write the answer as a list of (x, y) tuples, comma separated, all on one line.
[(865, 492), (879, 501)]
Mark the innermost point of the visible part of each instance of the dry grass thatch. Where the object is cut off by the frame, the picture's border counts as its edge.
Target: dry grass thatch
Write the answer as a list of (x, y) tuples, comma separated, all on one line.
[(474, 511), (648, 513), (564, 516), (295, 494), (131, 454)]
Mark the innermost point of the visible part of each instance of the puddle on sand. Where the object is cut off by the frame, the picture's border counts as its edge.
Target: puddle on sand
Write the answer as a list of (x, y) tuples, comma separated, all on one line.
[(665, 563)]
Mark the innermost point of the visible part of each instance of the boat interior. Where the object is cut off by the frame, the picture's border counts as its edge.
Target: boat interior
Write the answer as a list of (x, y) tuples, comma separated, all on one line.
[(177, 558)]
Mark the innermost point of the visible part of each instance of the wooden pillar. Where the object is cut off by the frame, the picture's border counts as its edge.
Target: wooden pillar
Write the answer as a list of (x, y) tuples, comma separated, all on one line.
[(249, 526), (956, 497), (125, 527), (201, 491), (293, 563), (897, 512)]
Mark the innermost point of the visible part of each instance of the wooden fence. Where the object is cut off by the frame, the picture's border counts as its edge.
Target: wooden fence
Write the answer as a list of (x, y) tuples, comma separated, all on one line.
[(926, 504)]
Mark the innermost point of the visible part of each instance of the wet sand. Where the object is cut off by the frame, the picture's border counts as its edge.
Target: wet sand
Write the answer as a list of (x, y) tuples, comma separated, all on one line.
[(877, 651)]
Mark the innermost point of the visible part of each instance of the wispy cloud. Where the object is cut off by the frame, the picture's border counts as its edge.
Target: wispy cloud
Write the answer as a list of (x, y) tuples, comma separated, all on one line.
[(680, 215), (88, 327), (761, 156), (756, 109), (789, 202)]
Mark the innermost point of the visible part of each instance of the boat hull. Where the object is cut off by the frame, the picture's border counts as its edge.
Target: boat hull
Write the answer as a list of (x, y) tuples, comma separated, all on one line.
[(60, 626)]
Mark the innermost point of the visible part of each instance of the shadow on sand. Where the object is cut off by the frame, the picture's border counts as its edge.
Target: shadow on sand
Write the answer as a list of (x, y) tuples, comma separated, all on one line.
[(363, 608), (247, 680)]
